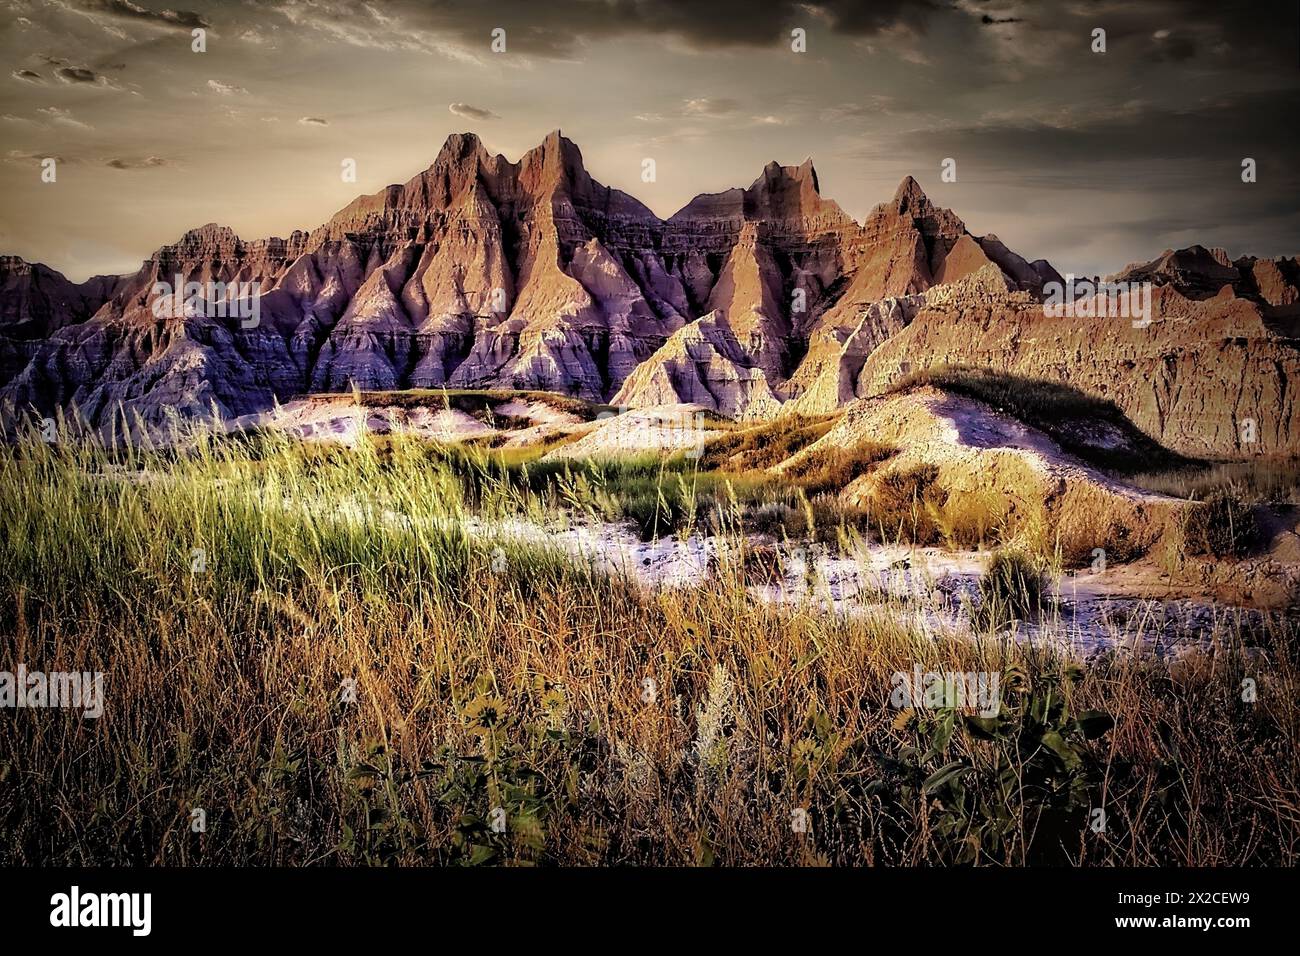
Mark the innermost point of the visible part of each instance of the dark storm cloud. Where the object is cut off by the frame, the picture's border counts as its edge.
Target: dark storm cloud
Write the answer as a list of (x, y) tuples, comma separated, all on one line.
[(73, 74), (1237, 31), (741, 22), (149, 162), (1172, 46), (1222, 131), (1181, 166), (558, 28), (1177, 30), (125, 10)]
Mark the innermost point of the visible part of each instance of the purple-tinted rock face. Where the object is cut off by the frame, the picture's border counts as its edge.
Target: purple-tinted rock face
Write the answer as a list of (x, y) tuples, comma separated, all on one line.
[(482, 272)]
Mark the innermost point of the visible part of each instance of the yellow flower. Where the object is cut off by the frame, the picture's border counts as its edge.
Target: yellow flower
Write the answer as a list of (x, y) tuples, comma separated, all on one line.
[(485, 713)]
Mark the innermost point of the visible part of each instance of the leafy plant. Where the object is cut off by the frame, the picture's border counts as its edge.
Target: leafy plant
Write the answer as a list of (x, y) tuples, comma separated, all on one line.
[(1003, 788), (496, 802)]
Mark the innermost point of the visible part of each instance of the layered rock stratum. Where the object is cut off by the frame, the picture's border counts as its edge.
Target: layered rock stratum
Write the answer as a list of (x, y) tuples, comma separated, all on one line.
[(754, 302)]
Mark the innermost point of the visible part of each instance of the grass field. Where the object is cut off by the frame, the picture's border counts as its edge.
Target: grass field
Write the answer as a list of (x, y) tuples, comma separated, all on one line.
[(308, 660)]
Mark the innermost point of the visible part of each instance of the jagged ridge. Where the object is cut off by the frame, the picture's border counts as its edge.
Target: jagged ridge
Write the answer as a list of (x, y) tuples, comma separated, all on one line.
[(480, 272)]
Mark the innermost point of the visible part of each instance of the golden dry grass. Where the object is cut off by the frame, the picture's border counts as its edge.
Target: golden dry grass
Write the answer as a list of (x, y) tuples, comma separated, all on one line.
[(610, 724)]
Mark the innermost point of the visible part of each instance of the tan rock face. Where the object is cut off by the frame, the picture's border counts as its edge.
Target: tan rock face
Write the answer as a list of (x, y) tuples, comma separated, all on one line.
[(1201, 273), (480, 272), (1206, 378), (1276, 280), (828, 376), (702, 364)]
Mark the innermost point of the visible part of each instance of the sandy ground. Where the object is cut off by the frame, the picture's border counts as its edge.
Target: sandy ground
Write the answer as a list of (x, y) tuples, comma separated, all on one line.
[(337, 417), (340, 419), (930, 588), (1124, 604), (660, 428)]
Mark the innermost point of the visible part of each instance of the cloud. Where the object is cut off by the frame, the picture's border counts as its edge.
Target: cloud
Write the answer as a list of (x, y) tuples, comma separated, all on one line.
[(1174, 174), (63, 117), (224, 89), (27, 76), (1207, 132), (872, 106), (401, 25), (18, 157), (869, 17), (83, 76), (313, 121), (711, 107), (472, 112), (561, 29), (1168, 45), (73, 74), (149, 162), (106, 12)]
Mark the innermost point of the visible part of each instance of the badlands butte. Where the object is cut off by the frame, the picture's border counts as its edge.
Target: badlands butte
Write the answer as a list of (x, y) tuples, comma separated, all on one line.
[(751, 303)]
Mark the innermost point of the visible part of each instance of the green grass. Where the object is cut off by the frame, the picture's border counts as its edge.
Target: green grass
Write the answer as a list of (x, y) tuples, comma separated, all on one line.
[(659, 493), (611, 725), (1014, 587), (758, 447), (1268, 481), (479, 403)]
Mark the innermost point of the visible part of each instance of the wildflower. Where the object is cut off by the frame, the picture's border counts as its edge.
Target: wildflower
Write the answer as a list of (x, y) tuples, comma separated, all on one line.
[(486, 714)]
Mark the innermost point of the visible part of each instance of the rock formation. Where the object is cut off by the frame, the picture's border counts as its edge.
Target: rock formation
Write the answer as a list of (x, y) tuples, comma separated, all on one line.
[(480, 272), (1206, 378), (1008, 475), (1201, 273)]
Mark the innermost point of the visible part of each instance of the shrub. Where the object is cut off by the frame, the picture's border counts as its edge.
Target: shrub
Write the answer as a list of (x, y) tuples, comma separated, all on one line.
[(1274, 481), (1223, 526), (763, 446), (969, 519), (1013, 588), (904, 501), (829, 469), (1016, 786)]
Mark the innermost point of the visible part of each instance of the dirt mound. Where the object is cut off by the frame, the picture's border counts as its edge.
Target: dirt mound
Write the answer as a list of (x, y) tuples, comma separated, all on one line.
[(673, 428), (501, 418), (1088, 427), (973, 473)]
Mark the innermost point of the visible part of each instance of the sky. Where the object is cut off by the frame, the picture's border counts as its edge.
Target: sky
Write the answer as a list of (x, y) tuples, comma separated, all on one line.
[(1089, 159)]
